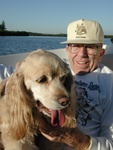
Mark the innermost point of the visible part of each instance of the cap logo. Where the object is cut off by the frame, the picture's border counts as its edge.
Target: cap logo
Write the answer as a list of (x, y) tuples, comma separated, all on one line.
[(80, 29)]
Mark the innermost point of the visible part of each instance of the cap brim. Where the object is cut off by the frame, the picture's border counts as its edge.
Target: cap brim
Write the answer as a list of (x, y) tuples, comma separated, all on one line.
[(81, 41)]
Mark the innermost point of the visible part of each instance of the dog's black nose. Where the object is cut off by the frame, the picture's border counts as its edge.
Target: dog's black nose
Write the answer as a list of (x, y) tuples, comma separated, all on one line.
[(64, 101)]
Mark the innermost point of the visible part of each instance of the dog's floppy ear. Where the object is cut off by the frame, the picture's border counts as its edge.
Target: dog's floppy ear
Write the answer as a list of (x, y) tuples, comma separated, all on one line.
[(2, 87), (20, 105), (70, 111)]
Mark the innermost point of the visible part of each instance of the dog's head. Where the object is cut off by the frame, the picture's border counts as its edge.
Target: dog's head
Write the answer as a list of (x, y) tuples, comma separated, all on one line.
[(51, 83)]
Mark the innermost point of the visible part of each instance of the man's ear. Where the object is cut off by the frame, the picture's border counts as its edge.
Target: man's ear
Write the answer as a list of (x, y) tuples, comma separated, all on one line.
[(101, 54)]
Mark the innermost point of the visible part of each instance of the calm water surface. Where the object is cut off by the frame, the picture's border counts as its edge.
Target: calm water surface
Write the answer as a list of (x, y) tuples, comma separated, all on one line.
[(21, 44)]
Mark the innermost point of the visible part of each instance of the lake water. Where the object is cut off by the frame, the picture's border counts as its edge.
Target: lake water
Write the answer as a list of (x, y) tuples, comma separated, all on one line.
[(21, 44)]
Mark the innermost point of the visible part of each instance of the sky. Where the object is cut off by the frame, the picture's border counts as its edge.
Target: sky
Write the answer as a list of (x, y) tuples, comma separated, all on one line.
[(53, 16)]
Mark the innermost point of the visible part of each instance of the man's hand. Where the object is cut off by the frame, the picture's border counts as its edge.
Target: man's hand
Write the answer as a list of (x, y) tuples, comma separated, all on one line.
[(71, 136)]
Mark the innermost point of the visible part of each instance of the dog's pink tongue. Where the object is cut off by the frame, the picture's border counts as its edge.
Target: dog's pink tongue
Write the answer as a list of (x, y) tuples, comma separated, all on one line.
[(57, 117)]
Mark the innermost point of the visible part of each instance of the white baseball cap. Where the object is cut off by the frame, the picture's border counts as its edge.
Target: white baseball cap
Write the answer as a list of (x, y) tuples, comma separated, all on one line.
[(84, 31)]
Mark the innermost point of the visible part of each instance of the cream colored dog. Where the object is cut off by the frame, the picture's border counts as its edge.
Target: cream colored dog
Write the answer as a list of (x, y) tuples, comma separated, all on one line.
[(42, 85)]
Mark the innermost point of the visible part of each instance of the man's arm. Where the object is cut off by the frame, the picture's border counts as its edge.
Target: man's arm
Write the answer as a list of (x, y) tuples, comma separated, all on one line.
[(70, 136)]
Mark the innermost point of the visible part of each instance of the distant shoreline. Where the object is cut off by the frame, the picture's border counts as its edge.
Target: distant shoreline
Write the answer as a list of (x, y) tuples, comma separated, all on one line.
[(24, 33)]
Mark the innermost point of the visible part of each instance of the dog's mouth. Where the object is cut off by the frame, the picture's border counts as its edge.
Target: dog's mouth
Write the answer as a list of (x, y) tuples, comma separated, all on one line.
[(55, 117)]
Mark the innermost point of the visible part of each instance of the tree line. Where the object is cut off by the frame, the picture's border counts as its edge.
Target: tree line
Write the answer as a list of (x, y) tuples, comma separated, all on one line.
[(5, 32)]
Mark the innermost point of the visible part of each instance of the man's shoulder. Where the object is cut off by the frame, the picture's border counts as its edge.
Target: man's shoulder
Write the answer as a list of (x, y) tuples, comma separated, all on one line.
[(105, 69), (5, 71)]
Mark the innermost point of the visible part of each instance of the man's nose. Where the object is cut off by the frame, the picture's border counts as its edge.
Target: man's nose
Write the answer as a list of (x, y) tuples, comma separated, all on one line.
[(82, 52)]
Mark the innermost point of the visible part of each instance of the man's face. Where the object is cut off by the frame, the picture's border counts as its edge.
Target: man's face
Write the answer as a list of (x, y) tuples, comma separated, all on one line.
[(84, 58)]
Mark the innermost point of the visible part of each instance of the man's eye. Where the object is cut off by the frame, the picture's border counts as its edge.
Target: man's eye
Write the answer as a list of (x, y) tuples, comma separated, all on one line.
[(90, 46), (76, 45)]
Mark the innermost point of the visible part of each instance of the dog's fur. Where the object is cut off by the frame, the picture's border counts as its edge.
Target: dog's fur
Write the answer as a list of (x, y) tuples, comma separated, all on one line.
[(41, 85)]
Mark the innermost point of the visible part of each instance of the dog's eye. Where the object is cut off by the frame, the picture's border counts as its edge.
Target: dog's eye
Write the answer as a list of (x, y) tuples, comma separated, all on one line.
[(63, 78), (42, 79)]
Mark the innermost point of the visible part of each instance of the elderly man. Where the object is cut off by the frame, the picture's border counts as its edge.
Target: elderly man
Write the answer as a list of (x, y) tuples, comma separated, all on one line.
[(94, 89)]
